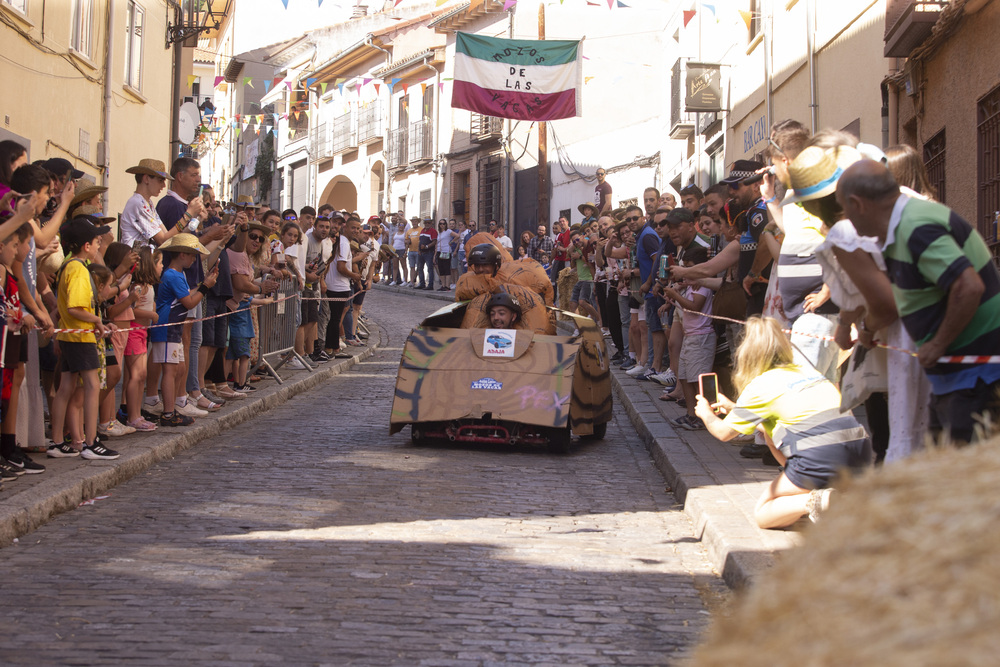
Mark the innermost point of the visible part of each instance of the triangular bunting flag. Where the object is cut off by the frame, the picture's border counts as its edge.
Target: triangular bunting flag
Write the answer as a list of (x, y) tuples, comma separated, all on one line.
[(291, 134), (747, 17), (365, 82), (587, 79), (289, 84), (441, 86), (688, 15), (440, 2), (248, 81), (322, 87), (377, 87), (710, 8), (397, 3), (423, 88), (406, 88), (310, 81), (191, 78), (611, 3), (308, 113), (267, 85), (340, 87), (218, 80), (623, 5), (260, 119), (285, 3), (508, 4), (296, 115)]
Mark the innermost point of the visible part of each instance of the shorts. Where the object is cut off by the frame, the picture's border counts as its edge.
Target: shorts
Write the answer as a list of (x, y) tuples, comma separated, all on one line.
[(12, 350), (444, 265), (78, 357), (653, 304), (310, 309), (411, 258), (241, 322), (401, 254), (697, 356), (583, 290), (166, 353), (215, 331), (816, 467), (136, 343), (194, 313), (109, 353), (359, 297), (239, 347), (47, 359), (956, 411)]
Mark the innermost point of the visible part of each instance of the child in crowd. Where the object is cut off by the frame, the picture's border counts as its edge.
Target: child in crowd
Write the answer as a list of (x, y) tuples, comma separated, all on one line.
[(173, 300), (698, 349), (78, 347), (13, 356), (119, 313), (145, 276), (581, 253), (110, 372)]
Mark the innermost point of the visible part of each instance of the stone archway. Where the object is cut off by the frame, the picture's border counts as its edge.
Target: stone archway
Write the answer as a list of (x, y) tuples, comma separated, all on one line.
[(377, 181), (341, 194)]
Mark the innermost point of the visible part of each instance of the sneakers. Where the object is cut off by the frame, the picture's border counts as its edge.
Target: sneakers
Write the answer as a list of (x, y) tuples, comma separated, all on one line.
[(296, 365), (688, 422), (175, 419), (818, 502), (320, 357), (210, 395), (114, 429), (190, 410), (628, 364), (666, 378), (636, 371), (617, 358), (143, 425), (648, 375), (153, 408), (8, 472), (98, 452), (753, 451), (227, 392), (63, 450), (21, 460), (244, 388)]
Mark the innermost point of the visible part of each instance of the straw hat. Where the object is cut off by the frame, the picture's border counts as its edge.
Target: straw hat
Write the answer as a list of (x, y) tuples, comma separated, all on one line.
[(85, 193), (814, 172), (184, 243), (150, 167), (94, 211), (618, 214), (261, 228), (244, 200), (584, 205)]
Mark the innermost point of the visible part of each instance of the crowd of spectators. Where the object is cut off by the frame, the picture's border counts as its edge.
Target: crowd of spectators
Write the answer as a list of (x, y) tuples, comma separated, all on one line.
[(162, 326)]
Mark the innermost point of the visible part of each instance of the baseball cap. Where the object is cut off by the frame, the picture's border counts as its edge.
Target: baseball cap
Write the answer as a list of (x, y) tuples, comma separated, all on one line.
[(81, 230), (60, 166)]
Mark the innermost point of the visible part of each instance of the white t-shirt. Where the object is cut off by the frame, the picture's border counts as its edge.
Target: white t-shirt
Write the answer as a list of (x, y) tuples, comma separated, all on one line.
[(444, 240), (311, 248), (506, 242), (399, 240), (335, 280), (140, 221)]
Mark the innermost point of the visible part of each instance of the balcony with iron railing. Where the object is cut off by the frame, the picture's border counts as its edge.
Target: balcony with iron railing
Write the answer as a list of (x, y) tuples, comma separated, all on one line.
[(319, 142), (398, 144), (682, 124), (345, 137), (370, 125), (485, 128), (421, 141)]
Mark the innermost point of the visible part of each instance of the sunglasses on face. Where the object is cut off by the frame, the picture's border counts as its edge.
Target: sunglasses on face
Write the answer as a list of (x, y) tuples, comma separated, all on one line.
[(662, 224), (256, 237), (634, 218), (290, 217)]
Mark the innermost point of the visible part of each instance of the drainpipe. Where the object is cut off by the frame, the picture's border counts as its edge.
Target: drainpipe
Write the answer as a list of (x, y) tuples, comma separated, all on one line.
[(175, 92), (766, 39), (811, 46), (108, 103), (437, 164)]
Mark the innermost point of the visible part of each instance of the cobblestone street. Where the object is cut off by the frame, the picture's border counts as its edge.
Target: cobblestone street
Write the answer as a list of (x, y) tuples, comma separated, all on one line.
[(308, 535)]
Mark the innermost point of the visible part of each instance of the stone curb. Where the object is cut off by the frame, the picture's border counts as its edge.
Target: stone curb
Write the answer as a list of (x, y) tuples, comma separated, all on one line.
[(23, 512), (440, 296), (732, 542)]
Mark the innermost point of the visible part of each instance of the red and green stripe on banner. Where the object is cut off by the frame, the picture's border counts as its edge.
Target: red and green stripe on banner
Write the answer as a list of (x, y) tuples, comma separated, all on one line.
[(518, 78)]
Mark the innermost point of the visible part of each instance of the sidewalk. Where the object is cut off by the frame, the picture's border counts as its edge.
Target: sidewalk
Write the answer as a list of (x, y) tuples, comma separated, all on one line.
[(32, 500), (718, 488)]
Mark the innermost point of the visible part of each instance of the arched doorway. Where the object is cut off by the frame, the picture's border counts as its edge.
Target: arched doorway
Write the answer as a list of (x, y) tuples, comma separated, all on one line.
[(377, 180), (340, 193)]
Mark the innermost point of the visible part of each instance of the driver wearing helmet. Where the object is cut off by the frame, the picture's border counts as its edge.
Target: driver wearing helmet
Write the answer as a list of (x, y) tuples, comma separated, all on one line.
[(503, 311), (485, 259)]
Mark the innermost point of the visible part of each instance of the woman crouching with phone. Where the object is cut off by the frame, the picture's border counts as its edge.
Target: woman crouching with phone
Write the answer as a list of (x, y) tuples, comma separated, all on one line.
[(798, 410)]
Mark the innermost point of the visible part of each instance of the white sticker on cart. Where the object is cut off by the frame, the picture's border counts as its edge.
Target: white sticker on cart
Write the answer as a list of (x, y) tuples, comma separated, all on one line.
[(499, 343), (488, 384)]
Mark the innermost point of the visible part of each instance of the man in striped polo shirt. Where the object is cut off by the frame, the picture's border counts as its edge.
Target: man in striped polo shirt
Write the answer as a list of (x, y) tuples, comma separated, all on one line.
[(947, 291)]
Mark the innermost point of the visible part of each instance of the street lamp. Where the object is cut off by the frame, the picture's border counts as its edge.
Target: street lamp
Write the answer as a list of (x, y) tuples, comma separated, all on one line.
[(194, 18)]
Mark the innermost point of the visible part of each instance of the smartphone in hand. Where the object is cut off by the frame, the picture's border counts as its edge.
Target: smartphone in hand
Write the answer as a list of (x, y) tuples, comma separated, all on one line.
[(708, 386)]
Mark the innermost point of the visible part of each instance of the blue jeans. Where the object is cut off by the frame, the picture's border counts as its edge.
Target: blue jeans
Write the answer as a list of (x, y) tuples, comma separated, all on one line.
[(625, 316), (192, 354), (426, 260)]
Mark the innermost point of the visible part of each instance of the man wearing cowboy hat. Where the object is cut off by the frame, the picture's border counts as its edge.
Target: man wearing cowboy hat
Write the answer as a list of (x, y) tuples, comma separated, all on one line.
[(140, 220)]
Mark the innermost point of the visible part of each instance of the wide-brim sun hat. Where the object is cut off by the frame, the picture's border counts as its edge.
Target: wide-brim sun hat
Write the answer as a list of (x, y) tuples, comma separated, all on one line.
[(261, 228), (85, 193), (586, 204), (150, 167), (184, 243), (814, 172), (94, 211)]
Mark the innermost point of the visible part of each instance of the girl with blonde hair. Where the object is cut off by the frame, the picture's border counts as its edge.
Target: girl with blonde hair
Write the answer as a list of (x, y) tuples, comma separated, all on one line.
[(798, 411)]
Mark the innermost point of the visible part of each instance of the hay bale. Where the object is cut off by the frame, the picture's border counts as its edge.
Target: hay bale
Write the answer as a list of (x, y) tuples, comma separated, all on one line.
[(902, 570), (528, 273), (486, 237), (534, 314), (566, 280)]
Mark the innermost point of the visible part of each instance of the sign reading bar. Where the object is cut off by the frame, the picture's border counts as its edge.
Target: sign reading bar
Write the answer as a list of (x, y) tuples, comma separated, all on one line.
[(703, 87)]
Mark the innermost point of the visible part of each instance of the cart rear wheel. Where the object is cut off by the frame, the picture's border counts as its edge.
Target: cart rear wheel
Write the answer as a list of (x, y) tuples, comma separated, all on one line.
[(559, 440), (417, 438), (600, 430)]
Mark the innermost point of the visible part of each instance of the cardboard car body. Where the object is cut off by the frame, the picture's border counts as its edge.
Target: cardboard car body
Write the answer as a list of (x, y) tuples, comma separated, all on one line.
[(501, 385)]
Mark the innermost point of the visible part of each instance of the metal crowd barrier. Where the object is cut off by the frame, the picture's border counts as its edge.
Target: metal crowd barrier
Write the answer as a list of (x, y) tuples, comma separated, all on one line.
[(276, 331)]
